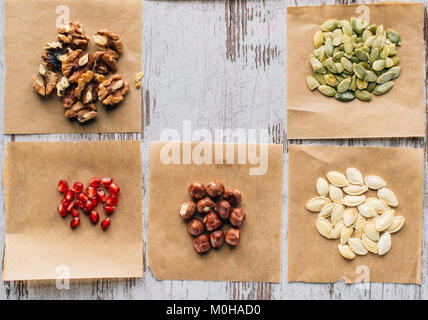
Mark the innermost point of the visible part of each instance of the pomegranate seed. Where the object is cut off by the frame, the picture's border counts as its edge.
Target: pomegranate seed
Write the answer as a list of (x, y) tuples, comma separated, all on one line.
[(75, 212), (69, 195), (78, 187), (62, 210), (114, 189), (88, 205), (106, 182), (105, 224), (112, 200), (62, 186), (74, 223), (109, 209), (95, 182), (82, 197), (94, 201), (101, 195), (80, 204), (65, 203), (91, 192), (71, 206), (94, 217)]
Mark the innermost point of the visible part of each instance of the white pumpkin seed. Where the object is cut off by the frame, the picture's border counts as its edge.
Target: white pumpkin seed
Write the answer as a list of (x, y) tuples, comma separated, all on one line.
[(397, 224), (354, 176), (355, 190), (369, 244), (327, 210), (316, 204), (357, 246), (338, 179), (359, 230), (360, 219), (345, 234), (374, 182), (384, 244), (335, 193), (379, 205), (324, 227), (370, 230), (367, 210), (349, 216), (385, 220), (337, 230), (322, 187), (337, 214), (346, 252), (388, 196), (353, 201)]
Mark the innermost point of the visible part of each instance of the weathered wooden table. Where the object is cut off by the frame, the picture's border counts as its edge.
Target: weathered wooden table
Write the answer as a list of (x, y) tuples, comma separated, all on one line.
[(218, 64)]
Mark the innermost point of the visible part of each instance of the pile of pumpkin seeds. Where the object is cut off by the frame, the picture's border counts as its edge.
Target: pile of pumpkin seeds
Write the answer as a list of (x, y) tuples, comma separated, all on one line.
[(354, 59)]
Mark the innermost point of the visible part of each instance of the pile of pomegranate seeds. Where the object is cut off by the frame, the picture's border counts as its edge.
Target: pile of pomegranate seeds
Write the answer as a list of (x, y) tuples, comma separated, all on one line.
[(87, 200)]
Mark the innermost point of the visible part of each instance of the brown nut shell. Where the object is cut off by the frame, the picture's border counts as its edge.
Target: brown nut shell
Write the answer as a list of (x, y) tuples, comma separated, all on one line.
[(187, 209), (205, 205), (197, 191), (195, 227), (233, 196), (223, 209), (237, 217), (217, 238), (201, 243), (212, 222), (233, 236), (215, 189)]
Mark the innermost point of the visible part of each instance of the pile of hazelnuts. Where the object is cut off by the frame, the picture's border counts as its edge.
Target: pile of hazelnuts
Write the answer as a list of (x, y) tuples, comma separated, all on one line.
[(218, 205)]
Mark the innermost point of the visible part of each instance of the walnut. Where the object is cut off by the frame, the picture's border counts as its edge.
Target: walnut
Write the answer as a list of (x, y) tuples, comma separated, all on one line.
[(73, 36), (82, 112), (76, 64), (105, 61), (108, 40), (44, 81), (54, 54), (61, 86), (68, 97), (112, 90)]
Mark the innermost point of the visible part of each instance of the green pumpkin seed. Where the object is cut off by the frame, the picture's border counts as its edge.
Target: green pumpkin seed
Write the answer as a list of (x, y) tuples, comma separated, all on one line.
[(384, 52), (380, 30), (371, 86), (385, 77), (348, 45), (329, 47), (369, 42), (338, 56), (339, 67), (393, 36), (392, 50), (362, 55), (328, 35), (347, 28), (320, 78), (329, 25), (344, 85), (345, 96), (372, 28), (353, 86), (366, 34), (358, 25), (315, 64), (327, 91), (354, 59), (359, 70), (337, 37), (347, 65), (383, 88), (389, 63), (378, 42), (318, 39), (330, 65), (378, 65), (374, 55), (395, 60), (365, 65), (312, 82), (371, 76), (330, 80), (363, 95), (362, 84)]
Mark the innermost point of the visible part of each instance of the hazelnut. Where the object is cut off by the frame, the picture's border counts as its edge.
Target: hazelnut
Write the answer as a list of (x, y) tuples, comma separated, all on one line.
[(201, 243), (217, 238), (233, 236), (188, 209), (223, 209), (195, 227), (233, 196), (197, 191), (212, 222), (206, 205), (215, 189), (237, 217)]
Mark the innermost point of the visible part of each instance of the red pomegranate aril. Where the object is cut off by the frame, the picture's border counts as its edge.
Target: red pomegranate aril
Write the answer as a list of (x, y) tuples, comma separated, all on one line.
[(71, 206), (62, 186), (109, 209), (95, 182), (82, 197), (79, 203), (94, 217), (89, 205), (75, 212), (105, 224), (69, 195), (101, 196), (106, 182), (111, 200), (75, 223), (62, 210), (78, 187), (114, 189), (91, 192), (94, 201), (65, 203)]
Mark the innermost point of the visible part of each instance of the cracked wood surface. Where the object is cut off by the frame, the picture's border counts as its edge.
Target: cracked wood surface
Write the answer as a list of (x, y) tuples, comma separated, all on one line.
[(218, 64)]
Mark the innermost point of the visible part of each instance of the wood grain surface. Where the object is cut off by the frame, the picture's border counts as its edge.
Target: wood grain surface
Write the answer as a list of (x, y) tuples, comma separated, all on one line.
[(218, 64)]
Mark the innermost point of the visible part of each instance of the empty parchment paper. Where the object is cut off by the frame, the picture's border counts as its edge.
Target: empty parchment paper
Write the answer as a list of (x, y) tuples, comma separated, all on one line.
[(398, 113), (313, 258), (39, 244), (170, 250), (31, 24)]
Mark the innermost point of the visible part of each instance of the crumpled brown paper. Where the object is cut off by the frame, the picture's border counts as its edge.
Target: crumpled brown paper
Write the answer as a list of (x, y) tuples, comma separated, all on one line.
[(31, 24), (170, 251), (313, 258), (39, 244), (398, 113)]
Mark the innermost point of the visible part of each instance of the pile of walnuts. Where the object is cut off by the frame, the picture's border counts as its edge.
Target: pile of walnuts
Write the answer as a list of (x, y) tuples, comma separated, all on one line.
[(218, 205), (83, 75)]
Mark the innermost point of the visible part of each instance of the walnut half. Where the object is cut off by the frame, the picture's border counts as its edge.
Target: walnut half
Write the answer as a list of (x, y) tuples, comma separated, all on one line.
[(44, 81), (113, 90), (72, 35), (82, 112), (108, 40)]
